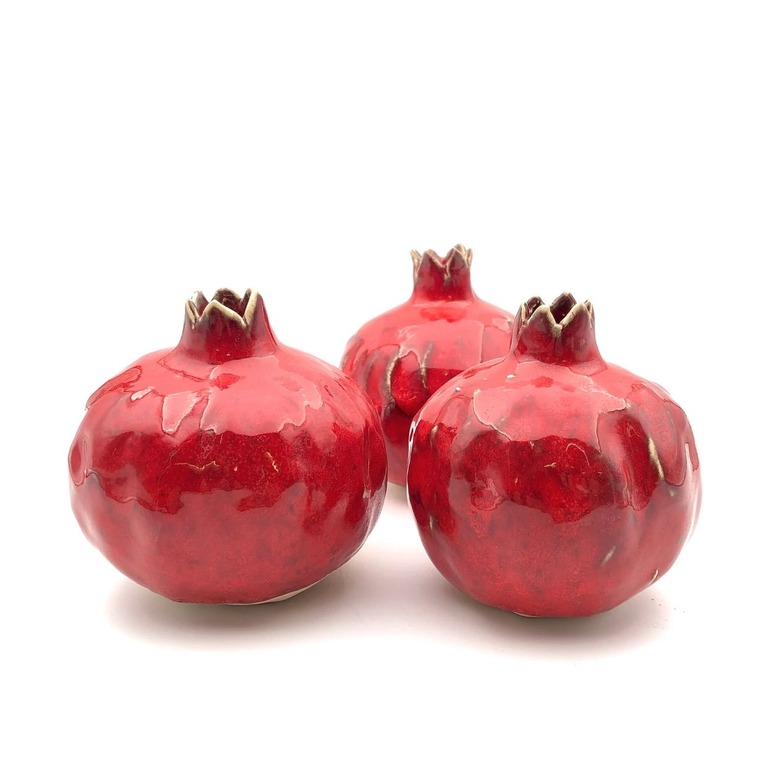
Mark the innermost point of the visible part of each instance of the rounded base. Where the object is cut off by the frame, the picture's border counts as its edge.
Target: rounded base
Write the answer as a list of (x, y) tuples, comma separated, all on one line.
[(283, 597), (286, 595)]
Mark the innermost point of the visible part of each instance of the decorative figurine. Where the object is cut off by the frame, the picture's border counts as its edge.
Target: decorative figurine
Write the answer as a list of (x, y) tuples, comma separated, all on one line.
[(231, 468), (552, 483), (404, 355)]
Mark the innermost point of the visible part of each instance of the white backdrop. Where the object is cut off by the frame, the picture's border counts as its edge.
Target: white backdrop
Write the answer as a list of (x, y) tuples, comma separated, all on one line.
[(626, 152)]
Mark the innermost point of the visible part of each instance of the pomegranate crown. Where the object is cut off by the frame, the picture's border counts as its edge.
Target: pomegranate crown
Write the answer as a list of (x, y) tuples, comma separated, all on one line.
[(225, 304), (445, 278), (561, 332), (559, 314), (457, 256), (228, 327)]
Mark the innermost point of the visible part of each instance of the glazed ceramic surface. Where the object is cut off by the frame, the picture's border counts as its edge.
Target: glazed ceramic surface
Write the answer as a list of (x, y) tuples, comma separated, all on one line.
[(403, 356), (550, 482), (231, 468)]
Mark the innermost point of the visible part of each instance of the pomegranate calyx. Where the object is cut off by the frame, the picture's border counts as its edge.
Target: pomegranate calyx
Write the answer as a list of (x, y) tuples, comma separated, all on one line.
[(562, 332), (442, 278), (559, 314), (225, 303), (458, 254), (228, 327)]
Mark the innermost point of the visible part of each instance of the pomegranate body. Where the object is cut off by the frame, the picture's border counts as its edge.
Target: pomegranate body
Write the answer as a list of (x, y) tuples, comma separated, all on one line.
[(549, 482), (230, 469), (404, 355)]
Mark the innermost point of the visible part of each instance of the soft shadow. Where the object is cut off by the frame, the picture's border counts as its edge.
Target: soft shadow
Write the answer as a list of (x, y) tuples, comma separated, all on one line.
[(405, 595), (396, 496), (638, 621), (146, 615), (386, 592)]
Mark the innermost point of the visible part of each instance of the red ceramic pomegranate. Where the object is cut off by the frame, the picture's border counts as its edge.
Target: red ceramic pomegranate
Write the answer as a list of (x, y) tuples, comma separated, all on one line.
[(409, 352), (549, 482), (230, 469)]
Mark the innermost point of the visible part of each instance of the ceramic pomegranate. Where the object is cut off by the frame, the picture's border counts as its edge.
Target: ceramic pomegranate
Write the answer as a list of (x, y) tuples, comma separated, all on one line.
[(404, 355), (550, 482), (231, 468)]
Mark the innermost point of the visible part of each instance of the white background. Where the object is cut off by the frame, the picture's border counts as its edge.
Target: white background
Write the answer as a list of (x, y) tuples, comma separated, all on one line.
[(626, 152)]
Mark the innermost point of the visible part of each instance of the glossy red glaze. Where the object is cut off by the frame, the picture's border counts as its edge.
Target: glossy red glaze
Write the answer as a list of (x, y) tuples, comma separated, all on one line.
[(230, 469), (404, 355), (549, 482)]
